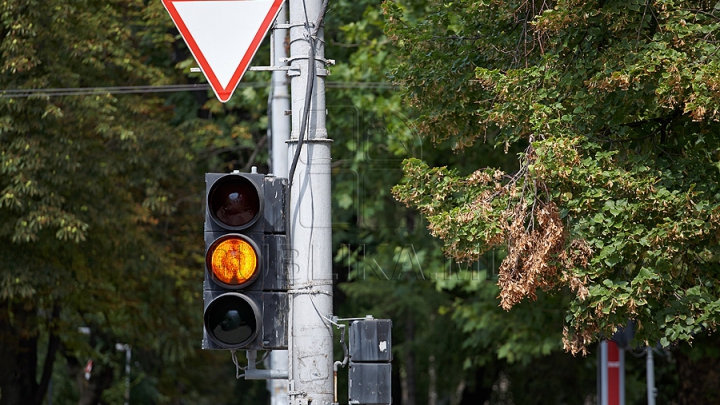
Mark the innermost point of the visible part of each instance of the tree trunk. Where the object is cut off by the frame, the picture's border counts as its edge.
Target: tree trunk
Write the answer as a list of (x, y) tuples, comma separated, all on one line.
[(457, 396), (18, 355), (699, 378), (432, 381), (480, 391), (407, 379)]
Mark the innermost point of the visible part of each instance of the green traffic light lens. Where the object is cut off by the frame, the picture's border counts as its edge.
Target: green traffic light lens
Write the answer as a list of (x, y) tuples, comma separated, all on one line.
[(234, 201), (232, 320)]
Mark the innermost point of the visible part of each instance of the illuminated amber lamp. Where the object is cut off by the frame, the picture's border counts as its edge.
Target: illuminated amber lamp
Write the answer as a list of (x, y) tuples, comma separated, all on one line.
[(233, 260)]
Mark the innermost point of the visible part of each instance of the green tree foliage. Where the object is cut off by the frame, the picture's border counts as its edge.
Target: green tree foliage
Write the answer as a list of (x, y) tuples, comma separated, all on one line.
[(385, 261), (616, 196), (446, 320), (90, 190)]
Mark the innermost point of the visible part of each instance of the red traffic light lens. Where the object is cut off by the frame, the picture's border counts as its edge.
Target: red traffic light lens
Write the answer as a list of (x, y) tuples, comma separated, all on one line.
[(234, 202), (233, 260), (232, 320)]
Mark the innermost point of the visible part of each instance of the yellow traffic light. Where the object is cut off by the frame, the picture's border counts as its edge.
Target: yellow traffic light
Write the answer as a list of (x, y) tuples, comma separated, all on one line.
[(245, 288), (233, 260)]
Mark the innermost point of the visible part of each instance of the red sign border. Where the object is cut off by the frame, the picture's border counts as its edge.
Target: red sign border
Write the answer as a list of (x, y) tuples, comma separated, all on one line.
[(223, 93)]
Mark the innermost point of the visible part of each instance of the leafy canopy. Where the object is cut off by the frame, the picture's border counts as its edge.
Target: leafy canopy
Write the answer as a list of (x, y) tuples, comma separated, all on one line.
[(616, 197)]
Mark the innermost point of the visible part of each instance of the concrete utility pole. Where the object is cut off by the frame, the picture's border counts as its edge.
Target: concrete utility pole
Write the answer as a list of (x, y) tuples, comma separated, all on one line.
[(279, 134), (650, 374), (310, 341)]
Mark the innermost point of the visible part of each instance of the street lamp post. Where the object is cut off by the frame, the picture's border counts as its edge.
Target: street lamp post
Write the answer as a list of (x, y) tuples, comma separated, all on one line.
[(128, 355)]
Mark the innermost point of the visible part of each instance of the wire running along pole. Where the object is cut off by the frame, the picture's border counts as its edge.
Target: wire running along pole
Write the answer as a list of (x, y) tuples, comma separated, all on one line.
[(311, 77)]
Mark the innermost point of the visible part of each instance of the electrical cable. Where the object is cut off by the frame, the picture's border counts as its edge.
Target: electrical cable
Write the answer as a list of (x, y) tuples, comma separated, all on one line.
[(326, 320), (169, 88), (238, 367), (263, 357), (307, 19), (642, 352), (86, 91), (346, 353), (311, 76)]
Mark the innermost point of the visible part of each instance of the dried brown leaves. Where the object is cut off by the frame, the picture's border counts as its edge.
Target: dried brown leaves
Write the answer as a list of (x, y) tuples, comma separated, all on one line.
[(535, 239), (578, 341)]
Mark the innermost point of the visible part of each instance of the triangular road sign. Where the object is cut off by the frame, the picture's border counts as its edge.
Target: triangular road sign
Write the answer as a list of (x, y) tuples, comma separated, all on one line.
[(223, 36)]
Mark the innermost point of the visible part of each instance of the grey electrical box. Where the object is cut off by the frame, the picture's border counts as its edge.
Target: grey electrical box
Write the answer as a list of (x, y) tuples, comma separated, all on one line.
[(370, 373), (370, 384), (371, 341)]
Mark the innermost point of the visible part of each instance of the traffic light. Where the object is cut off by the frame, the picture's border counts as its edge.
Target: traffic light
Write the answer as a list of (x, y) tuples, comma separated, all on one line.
[(245, 288)]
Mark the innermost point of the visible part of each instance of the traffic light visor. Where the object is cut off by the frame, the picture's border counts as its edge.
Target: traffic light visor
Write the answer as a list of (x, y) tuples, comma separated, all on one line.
[(232, 320), (234, 202), (233, 260)]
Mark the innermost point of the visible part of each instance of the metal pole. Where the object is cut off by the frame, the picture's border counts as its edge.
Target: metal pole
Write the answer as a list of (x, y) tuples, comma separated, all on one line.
[(124, 347), (650, 372), (611, 388), (279, 134), (310, 340), (603, 391), (128, 357), (279, 100), (621, 371)]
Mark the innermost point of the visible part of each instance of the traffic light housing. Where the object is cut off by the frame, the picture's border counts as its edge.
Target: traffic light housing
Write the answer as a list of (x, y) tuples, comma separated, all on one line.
[(245, 287)]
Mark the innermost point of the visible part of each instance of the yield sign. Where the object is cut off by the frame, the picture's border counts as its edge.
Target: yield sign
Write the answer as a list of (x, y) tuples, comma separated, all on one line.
[(223, 35)]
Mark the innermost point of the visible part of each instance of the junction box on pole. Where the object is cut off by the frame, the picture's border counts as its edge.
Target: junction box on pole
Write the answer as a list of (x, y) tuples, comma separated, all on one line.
[(369, 376)]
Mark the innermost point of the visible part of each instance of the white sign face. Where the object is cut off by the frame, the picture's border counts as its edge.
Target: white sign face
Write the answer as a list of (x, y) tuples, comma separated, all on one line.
[(223, 36)]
